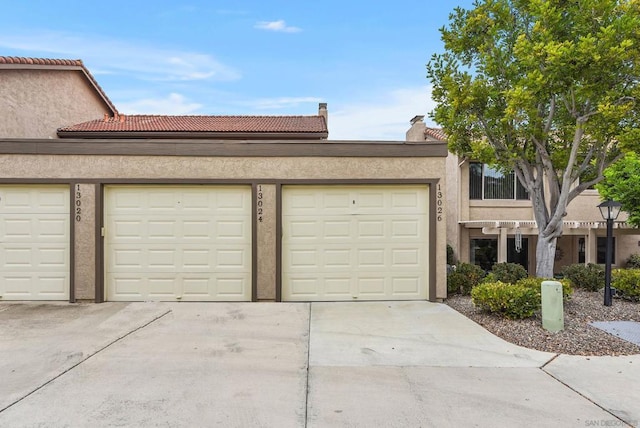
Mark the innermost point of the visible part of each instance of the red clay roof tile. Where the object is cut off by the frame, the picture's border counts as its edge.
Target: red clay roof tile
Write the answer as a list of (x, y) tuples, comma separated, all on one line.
[(435, 133), (231, 124)]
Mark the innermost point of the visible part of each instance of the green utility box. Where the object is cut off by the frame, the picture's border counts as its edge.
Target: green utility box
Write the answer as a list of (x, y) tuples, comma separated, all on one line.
[(552, 306)]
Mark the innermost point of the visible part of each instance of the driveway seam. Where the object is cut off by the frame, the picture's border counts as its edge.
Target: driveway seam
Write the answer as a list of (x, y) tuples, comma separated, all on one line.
[(583, 396), (117, 339), (306, 398)]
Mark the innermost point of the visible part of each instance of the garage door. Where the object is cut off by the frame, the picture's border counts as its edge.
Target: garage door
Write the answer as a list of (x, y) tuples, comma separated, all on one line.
[(357, 242), (188, 243), (34, 242)]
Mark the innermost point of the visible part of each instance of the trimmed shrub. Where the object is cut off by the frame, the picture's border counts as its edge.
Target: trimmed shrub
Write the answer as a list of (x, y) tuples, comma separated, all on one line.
[(627, 283), (508, 272), (464, 278), (451, 256), (514, 301), (536, 284), (633, 262), (589, 277)]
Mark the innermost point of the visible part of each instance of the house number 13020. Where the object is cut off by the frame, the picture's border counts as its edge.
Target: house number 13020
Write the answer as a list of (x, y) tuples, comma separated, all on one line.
[(78, 204)]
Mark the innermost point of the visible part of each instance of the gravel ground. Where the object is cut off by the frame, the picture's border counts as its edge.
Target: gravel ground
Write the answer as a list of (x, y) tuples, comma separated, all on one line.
[(577, 338)]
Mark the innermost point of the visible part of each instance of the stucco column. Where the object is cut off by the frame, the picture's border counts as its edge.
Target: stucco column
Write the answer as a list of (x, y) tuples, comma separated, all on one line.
[(84, 215), (502, 245), (591, 247), (266, 232)]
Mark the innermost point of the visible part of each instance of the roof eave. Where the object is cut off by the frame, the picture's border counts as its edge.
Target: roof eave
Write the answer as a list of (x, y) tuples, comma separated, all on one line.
[(195, 135)]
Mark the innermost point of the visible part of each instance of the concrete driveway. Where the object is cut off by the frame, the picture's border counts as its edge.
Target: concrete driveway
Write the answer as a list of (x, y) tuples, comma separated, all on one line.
[(403, 364)]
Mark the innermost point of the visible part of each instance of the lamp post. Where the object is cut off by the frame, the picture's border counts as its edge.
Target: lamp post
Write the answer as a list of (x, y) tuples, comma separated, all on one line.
[(609, 210)]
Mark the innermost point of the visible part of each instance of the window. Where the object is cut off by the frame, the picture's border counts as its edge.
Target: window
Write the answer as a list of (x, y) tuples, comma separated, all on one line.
[(484, 252), (486, 182), (601, 257)]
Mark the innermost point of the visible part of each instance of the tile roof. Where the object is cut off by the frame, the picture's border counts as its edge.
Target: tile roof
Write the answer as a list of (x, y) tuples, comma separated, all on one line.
[(435, 133), (63, 64), (162, 123), (143, 124)]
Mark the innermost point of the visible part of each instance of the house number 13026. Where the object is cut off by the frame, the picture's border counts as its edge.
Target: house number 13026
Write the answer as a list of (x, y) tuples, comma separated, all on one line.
[(439, 204), (78, 204)]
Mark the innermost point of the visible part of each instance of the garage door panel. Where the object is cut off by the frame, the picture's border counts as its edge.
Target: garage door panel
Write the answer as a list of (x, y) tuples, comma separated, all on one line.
[(337, 287), (30, 286), (232, 259), (34, 199), (339, 258), (371, 257), (336, 229), (360, 227), (408, 286), (24, 257), (160, 287), (34, 228), (231, 230), (355, 242), (190, 243), (406, 257), (371, 287), (302, 229), (233, 287), (406, 228)]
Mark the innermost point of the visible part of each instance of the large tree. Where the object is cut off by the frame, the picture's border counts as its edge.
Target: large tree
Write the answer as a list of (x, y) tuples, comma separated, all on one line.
[(548, 89)]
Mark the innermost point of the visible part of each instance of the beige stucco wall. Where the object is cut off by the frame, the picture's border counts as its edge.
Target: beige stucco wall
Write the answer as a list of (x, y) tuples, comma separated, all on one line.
[(97, 168), (582, 209), (35, 103), (84, 197), (266, 235)]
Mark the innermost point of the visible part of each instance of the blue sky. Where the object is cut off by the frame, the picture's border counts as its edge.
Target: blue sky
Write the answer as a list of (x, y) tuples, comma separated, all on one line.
[(366, 60)]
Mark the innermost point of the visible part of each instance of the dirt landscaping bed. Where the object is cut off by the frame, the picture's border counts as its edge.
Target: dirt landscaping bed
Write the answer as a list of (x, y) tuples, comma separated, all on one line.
[(578, 337)]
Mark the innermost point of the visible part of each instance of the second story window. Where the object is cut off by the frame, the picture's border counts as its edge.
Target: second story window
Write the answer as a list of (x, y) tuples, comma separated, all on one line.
[(486, 182)]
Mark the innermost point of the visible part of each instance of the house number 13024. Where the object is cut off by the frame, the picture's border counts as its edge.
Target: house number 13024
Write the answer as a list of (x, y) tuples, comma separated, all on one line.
[(259, 203), (78, 203)]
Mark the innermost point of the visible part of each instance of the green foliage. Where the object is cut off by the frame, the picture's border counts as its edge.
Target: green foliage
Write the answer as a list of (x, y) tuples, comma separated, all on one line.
[(508, 272), (589, 277), (511, 300), (622, 183), (451, 257), (540, 86), (536, 284), (633, 262), (627, 282), (464, 278)]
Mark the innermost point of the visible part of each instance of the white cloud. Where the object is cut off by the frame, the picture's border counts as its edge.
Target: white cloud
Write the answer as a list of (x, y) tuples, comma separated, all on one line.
[(384, 118), (279, 26), (281, 103), (113, 55), (174, 104)]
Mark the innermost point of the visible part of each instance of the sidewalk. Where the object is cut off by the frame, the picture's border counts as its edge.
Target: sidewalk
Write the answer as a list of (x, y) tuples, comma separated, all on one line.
[(292, 365)]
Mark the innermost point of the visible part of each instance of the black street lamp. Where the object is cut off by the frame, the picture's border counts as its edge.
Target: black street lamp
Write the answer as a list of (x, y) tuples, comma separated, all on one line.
[(609, 210)]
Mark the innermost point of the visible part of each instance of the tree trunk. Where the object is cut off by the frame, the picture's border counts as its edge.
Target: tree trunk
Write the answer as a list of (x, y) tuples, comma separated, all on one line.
[(545, 256)]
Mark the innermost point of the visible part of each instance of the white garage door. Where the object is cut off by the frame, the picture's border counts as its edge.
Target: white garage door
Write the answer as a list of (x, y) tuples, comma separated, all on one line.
[(356, 242), (188, 243), (34, 242)]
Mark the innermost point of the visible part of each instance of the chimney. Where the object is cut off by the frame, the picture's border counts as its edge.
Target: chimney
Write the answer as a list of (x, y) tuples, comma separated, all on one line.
[(322, 111), (416, 132)]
